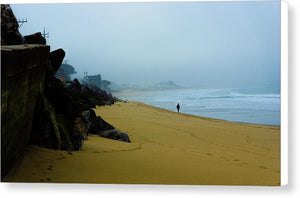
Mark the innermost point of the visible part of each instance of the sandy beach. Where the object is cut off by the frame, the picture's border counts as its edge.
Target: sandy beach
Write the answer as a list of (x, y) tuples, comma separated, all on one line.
[(166, 148)]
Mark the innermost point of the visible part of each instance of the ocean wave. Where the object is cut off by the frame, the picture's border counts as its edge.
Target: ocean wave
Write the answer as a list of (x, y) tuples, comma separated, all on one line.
[(262, 108), (232, 96)]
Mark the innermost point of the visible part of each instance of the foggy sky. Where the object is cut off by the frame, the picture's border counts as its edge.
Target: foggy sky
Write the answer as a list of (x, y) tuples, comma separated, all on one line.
[(199, 44)]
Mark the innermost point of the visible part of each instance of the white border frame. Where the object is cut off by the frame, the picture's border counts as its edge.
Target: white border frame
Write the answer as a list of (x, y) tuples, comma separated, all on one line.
[(284, 94), (284, 66)]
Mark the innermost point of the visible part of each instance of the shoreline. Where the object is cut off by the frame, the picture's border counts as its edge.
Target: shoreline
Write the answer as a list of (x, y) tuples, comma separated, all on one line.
[(237, 107), (202, 117), (133, 93), (166, 148)]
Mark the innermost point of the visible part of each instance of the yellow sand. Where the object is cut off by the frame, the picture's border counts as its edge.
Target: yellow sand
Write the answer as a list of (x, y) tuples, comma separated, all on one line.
[(166, 148)]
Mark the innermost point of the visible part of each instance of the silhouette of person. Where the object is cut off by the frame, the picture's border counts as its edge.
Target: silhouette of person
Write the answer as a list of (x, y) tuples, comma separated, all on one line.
[(178, 107)]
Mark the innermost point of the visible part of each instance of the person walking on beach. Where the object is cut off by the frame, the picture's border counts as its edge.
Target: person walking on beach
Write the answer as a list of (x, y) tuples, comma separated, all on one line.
[(178, 107)]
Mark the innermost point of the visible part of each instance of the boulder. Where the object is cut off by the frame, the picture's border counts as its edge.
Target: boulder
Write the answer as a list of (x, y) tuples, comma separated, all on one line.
[(75, 85), (80, 128), (115, 135), (103, 124), (52, 129), (56, 58), (36, 38), (94, 123), (85, 116), (99, 125)]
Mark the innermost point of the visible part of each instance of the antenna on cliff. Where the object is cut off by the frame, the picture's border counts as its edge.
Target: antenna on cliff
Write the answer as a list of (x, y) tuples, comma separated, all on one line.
[(85, 75), (21, 22), (44, 34)]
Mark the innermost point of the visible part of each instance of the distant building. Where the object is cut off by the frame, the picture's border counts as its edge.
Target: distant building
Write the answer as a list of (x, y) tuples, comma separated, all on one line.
[(97, 81), (93, 80)]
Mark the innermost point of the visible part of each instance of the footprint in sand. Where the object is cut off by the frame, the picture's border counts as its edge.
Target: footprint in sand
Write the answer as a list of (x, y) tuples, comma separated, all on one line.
[(50, 168), (48, 180), (262, 167), (236, 160), (209, 154), (225, 158)]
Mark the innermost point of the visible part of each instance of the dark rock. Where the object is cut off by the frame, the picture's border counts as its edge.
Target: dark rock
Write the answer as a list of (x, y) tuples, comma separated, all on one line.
[(79, 134), (61, 99), (80, 128), (85, 117), (76, 85), (86, 97), (103, 124), (69, 103), (36, 107), (56, 58), (36, 38), (52, 129), (115, 135), (55, 119), (90, 119), (10, 34), (94, 123), (99, 125)]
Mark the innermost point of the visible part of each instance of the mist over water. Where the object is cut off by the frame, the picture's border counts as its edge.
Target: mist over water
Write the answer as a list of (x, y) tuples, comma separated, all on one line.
[(194, 44), (210, 46), (248, 105)]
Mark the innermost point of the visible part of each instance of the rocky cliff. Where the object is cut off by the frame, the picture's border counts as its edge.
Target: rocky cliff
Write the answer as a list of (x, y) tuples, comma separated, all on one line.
[(36, 107), (22, 80)]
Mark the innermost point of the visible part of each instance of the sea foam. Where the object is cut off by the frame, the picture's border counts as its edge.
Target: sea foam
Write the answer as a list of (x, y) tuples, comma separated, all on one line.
[(238, 105)]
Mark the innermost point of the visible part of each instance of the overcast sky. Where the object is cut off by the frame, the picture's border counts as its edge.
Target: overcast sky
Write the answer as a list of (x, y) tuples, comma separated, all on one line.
[(199, 44)]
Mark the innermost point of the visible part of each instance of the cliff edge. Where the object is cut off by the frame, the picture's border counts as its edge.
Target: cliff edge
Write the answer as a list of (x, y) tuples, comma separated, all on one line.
[(36, 107), (22, 80)]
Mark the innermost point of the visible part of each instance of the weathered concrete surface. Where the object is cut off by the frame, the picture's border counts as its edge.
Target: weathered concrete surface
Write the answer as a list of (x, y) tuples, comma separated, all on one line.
[(22, 79)]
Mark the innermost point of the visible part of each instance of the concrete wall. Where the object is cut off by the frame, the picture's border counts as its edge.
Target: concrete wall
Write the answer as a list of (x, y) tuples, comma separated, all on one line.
[(22, 78)]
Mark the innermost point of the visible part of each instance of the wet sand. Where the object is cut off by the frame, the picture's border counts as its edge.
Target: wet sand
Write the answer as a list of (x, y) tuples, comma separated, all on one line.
[(166, 148)]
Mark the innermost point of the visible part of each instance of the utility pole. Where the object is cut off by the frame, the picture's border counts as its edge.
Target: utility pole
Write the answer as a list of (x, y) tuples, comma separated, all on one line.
[(21, 22), (85, 76), (44, 34)]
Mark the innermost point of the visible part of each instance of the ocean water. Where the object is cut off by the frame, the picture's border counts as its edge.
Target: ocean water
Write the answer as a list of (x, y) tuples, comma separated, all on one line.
[(239, 105)]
